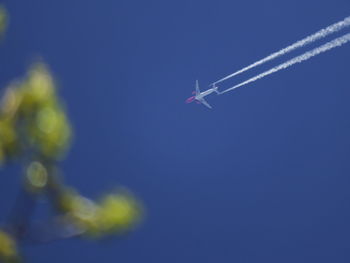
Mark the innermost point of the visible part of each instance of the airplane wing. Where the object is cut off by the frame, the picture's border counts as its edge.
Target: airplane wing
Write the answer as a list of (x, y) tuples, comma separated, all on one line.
[(205, 103), (197, 88)]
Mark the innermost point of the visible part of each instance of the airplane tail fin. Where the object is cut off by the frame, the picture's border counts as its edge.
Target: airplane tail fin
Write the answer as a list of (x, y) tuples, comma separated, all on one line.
[(197, 88)]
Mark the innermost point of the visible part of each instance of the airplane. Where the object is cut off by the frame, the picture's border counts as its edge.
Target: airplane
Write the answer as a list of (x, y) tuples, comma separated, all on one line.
[(199, 96)]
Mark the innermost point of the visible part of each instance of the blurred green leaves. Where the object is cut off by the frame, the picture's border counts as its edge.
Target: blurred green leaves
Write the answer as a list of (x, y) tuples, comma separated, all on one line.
[(8, 249), (34, 129), (32, 113), (33, 122), (3, 20), (36, 177), (114, 213), (8, 140)]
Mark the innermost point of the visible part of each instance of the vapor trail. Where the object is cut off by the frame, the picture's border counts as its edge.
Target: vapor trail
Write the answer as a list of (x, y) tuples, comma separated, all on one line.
[(314, 52), (301, 43)]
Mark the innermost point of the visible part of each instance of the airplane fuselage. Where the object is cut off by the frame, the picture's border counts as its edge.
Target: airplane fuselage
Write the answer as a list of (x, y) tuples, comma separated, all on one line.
[(205, 93)]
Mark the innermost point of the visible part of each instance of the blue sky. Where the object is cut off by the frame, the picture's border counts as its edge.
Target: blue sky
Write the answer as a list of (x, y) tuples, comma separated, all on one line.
[(263, 177)]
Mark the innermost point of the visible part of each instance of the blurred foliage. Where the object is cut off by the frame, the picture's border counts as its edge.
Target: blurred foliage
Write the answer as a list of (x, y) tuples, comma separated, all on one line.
[(114, 213), (32, 118), (35, 130), (8, 250), (3, 20)]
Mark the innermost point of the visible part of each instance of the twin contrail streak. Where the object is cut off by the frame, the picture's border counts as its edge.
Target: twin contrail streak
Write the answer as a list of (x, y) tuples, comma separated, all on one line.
[(301, 43), (307, 55)]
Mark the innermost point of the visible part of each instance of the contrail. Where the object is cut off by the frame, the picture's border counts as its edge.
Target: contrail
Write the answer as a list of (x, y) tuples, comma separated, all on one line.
[(314, 52), (301, 43)]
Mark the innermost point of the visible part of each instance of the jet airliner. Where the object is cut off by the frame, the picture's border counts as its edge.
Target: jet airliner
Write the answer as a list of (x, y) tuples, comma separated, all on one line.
[(199, 96)]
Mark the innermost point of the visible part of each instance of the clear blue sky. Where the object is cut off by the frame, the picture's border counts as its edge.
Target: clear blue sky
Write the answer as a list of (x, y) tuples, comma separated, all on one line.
[(263, 177)]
